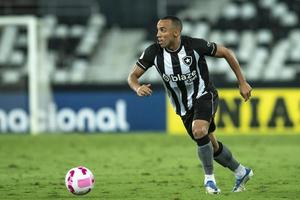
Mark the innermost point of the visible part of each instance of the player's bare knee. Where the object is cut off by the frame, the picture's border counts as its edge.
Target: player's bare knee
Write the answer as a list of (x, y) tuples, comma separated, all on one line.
[(214, 142), (215, 146), (200, 132)]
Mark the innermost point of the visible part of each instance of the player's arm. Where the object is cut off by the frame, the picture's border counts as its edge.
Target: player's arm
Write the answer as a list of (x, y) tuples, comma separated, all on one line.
[(245, 88), (133, 81)]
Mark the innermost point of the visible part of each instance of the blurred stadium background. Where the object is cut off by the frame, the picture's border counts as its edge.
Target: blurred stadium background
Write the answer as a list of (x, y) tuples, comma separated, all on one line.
[(85, 50)]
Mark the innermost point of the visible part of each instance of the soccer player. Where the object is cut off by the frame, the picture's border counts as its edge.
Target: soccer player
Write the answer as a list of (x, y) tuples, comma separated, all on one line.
[(180, 61)]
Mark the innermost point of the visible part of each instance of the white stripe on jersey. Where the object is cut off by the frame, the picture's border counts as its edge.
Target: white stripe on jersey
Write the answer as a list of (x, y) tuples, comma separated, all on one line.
[(184, 70), (212, 50), (142, 65), (169, 70), (169, 93), (201, 84), (156, 66)]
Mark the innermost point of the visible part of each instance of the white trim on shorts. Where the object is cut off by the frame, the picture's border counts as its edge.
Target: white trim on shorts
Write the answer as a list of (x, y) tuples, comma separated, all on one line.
[(212, 103)]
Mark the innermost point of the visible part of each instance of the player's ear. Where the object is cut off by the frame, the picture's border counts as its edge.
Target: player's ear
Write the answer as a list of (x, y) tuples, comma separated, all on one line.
[(176, 33)]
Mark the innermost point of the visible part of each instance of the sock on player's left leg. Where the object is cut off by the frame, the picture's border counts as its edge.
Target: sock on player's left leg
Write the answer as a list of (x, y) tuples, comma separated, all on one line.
[(240, 171), (224, 157)]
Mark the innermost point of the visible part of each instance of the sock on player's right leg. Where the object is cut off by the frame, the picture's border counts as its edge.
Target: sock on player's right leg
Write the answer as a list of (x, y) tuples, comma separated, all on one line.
[(205, 153)]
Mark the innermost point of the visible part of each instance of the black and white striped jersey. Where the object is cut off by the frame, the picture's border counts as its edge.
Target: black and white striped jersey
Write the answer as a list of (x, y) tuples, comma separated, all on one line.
[(184, 71)]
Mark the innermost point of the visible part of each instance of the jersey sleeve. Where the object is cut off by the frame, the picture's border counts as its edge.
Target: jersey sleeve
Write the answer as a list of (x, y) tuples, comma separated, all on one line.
[(146, 60), (204, 47)]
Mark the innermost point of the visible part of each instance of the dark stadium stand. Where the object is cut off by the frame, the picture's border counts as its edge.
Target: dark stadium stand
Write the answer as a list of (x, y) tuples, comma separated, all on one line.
[(264, 34), (72, 30)]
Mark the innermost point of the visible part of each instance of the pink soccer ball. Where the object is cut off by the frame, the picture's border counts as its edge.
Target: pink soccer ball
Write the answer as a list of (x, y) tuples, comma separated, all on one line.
[(79, 180)]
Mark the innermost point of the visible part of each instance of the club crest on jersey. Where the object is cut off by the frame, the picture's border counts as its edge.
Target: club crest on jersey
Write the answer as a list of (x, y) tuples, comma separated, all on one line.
[(187, 60)]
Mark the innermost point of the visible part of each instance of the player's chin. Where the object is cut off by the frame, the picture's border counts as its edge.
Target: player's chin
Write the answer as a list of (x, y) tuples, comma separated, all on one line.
[(162, 45)]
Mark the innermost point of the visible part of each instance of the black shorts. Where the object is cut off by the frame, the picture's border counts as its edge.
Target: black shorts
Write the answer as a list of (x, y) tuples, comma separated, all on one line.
[(204, 108)]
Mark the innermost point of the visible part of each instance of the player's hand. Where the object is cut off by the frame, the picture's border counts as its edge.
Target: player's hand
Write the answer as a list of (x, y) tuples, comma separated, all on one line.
[(144, 90), (245, 90)]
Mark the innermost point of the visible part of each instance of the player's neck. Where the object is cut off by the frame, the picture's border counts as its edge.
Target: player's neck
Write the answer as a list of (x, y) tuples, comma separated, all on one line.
[(175, 46)]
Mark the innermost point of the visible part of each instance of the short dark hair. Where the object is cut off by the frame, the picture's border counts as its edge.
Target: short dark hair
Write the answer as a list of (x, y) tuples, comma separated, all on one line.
[(175, 20)]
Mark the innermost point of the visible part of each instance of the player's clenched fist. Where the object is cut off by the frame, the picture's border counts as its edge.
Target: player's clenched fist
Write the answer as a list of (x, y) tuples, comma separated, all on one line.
[(144, 90), (245, 90)]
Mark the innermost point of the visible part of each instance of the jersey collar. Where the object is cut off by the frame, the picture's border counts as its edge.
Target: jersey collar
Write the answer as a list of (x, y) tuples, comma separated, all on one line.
[(176, 50)]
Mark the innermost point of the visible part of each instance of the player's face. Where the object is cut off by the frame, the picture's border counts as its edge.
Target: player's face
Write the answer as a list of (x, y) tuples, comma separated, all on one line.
[(166, 33)]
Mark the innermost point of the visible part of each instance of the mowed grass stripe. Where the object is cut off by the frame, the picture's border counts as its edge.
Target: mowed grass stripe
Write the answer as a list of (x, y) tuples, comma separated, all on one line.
[(144, 166)]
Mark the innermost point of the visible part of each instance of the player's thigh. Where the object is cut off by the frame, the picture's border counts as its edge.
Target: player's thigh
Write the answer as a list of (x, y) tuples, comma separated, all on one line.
[(187, 121), (205, 106)]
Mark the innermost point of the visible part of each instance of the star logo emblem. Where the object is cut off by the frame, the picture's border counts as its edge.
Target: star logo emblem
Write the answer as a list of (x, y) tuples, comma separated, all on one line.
[(187, 60)]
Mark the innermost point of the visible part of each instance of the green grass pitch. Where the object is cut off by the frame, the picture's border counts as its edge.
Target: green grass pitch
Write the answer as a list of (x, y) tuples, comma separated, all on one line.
[(144, 166)]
